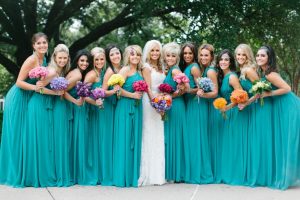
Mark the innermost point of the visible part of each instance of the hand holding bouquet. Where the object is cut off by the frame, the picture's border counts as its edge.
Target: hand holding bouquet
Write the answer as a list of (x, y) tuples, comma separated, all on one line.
[(83, 89), (38, 73), (161, 104), (181, 79), (98, 94), (116, 80), (220, 104), (139, 86), (259, 87)]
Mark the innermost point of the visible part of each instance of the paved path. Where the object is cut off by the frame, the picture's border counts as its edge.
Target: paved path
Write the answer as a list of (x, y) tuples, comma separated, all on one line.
[(165, 192)]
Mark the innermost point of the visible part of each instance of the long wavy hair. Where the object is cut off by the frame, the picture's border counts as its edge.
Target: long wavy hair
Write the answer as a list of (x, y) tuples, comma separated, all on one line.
[(147, 50), (60, 48), (249, 63), (128, 51), (232, 65), (82, 52), (271, 66), (107, 52), (182, 63), (211, 50)]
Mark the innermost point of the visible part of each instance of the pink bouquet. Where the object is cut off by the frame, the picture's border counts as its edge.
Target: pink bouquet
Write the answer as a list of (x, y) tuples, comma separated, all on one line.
[(180, 79), (38, 73), (139, 86)]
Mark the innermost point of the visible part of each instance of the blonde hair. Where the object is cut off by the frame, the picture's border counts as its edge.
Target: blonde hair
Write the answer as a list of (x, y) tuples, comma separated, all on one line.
[(171, 48), (147, 50), (60, 48), (97, 51), (127, 53), (250, 62)]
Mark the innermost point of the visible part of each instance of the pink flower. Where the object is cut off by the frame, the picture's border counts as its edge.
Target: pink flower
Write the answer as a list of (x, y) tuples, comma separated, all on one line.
[(181, 78), (38, 72), (140, 86)]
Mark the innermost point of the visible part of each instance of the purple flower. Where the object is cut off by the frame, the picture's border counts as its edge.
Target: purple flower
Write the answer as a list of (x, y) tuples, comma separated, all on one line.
[(98, 93), (59, 83), (83, 89)]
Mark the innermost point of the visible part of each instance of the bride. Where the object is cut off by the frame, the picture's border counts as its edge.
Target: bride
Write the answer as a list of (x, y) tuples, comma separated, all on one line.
[(152, 169)]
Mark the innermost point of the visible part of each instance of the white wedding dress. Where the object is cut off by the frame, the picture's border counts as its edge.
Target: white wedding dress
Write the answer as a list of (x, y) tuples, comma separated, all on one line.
[(152, 169)]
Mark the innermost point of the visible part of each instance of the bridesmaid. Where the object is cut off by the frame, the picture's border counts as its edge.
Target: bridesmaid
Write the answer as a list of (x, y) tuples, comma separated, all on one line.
[(233, 165), (152, 171), (286, 118), (214, 121), (176, 146), (113, 57), (96, 115), (60, 63), (80, 155), (199, 170), (16, 100), (39, 153), (259, 156), (128, 123)]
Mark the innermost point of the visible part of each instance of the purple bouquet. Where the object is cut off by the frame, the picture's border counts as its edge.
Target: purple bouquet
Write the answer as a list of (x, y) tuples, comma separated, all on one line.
[(83, 89), (205, 84), (59, 83), (98, 93), (161, 104)]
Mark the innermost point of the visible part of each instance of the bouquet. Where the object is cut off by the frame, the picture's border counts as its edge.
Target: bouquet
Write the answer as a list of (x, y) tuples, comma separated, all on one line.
[(180, 78), (161, 104), (220, 103), (205, 84), (38, 73), (139, 86), (239, 96), (59, 83), (83, 89), (116, 79), (98, 93), (165, 88), (259, 87)]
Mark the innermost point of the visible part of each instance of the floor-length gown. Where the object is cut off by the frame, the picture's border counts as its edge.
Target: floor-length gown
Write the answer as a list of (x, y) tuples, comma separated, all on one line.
[(127, 137), (176, 146), (152, 170), (197, 128)]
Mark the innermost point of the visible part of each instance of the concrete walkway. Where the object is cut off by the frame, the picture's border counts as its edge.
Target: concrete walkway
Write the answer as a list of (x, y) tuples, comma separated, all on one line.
[(165, 192)]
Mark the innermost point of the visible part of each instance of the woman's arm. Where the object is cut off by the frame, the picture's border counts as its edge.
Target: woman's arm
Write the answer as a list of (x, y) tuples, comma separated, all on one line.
[(213, 94), (146, 72), (107, 75), (276, 80)]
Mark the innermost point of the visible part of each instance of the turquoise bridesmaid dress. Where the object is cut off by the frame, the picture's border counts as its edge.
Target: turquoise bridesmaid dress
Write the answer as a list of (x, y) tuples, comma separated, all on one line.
[(260, 158), (81, 144), (234, 145), (197, 128), (13, 128), (127, 138), (286, 127), (61, 135), (176, 142), (215, 128), (39, 160)]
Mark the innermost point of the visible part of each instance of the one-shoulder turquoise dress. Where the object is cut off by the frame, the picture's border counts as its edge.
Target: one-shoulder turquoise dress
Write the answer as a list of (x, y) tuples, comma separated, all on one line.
[(39, 160), (215, 128), (197, 128), (127, 138), (234, 149), (176, 142), (286, 128)]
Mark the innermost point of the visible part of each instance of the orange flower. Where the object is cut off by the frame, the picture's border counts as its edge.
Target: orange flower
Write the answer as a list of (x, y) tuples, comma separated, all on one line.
[(220, 103), (239, 96)]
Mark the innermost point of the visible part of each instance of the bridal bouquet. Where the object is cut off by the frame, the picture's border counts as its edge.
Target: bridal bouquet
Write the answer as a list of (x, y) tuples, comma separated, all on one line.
[(181, 79), (38, 73), (116, 79), (139, 86), (161, 104), (220, 103), (259, 87), (98, 94)]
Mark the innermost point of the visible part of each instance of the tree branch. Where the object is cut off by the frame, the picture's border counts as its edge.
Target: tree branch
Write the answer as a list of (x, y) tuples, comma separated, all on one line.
[(13, 68), (7, 40), (30, 16)]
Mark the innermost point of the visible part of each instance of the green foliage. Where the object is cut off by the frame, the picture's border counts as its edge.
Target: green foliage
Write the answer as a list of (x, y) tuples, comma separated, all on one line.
[(6, 81)]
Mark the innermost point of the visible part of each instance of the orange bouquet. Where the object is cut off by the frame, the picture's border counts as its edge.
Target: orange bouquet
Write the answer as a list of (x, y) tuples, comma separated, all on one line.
[(220, 103), (239, 96)]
